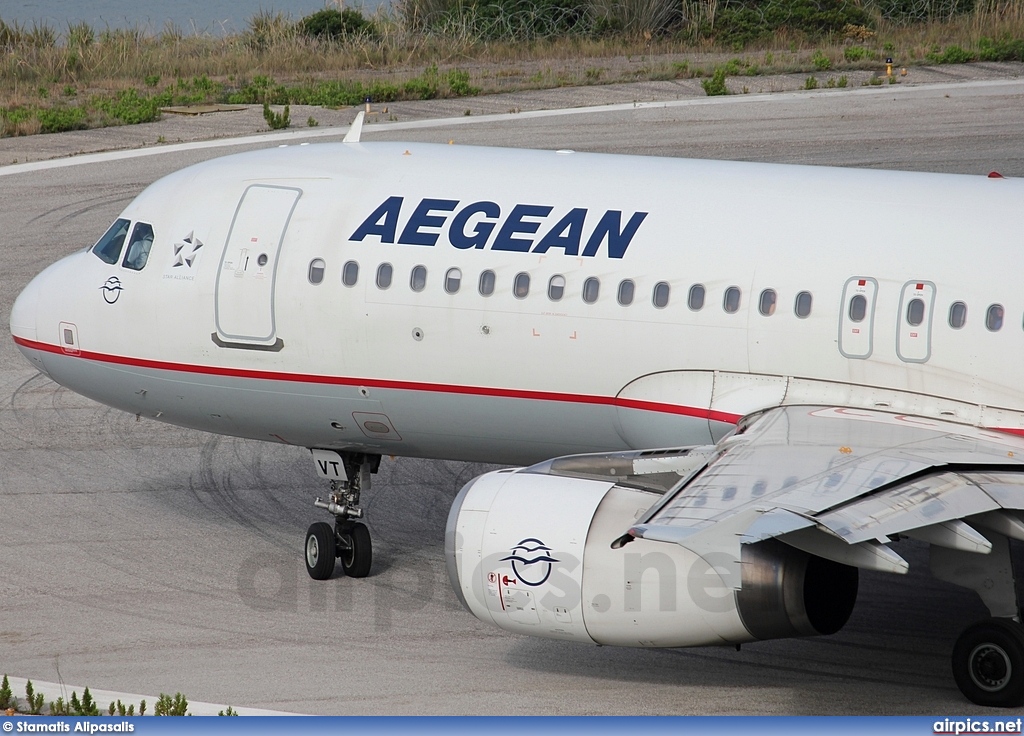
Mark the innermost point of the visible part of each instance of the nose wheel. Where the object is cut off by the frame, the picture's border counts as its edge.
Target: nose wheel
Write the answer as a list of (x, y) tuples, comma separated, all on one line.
[(355, 550), (320, 550), (347, 540)]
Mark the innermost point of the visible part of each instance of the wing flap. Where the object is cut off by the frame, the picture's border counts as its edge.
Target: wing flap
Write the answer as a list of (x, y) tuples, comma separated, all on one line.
[(842, 483), (921, 503)]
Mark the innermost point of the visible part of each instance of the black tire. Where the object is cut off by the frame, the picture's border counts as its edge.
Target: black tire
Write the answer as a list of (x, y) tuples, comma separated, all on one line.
[(320, 551), (356, 559), (988, 663)]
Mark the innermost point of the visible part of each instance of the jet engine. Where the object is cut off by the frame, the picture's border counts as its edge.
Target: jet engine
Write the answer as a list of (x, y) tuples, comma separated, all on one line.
[(531, 551)]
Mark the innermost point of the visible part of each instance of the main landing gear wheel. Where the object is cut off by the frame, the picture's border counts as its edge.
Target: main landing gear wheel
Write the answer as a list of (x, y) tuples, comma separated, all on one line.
[(988, 663), (355, 550), (320, 550)]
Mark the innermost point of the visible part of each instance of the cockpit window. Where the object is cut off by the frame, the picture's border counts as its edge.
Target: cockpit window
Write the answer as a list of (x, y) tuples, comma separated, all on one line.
[(108, 248), (138, 247)]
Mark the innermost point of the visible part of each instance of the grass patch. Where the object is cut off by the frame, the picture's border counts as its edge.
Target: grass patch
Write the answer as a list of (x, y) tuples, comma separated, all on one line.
[(427, 86), (63, 79)]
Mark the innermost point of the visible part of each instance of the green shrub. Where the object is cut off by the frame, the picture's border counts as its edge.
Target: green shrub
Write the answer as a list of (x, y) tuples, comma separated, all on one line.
[(855, 53), (34, 699), (336, 25), (458, 83), (171, 706), (6, 696), (276, 121), (130, 108), (1004, 49), (742, 22), (61, 119), (821, 61), (952, 55), (716, 85), (811, 83)]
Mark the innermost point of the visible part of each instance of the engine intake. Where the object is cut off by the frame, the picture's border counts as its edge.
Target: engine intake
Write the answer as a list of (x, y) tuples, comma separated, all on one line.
[(532, 553)]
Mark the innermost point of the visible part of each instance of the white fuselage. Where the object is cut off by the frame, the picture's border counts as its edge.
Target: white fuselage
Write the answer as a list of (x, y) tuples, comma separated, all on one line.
[(207, 336)]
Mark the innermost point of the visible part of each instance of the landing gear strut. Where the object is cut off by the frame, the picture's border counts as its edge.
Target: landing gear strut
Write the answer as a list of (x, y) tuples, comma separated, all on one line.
[(348, 539)]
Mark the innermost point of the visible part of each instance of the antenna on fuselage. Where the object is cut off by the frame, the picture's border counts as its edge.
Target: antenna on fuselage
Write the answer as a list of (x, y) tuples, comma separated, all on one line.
[(352, 136)]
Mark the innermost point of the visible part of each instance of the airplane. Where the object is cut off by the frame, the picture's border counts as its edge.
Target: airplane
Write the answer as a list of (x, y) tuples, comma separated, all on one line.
[(725, 387)]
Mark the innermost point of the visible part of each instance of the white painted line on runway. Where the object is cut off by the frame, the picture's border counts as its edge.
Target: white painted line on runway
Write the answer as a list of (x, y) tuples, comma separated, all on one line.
[(339, 131), (103, 698)]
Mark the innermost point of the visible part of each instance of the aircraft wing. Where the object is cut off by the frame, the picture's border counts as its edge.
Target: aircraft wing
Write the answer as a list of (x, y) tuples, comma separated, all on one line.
[(842, 484)]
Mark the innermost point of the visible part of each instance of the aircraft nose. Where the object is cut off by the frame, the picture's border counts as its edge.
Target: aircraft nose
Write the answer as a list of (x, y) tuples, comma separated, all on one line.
[(25, 311)]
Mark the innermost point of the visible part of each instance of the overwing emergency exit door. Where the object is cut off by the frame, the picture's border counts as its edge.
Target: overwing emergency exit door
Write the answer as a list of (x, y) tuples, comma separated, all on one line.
[(914, 331), (248, 268), (857, 318)]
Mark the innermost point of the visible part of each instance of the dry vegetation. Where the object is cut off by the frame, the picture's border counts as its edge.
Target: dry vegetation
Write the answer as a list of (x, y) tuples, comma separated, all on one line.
[(59, 79)]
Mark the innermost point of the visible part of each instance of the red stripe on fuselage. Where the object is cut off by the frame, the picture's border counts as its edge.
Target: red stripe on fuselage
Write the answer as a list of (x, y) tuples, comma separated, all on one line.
[(504, 393)]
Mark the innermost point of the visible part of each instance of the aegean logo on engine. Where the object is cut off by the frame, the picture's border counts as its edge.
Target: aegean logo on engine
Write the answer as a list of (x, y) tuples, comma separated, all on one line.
[(531, 562), (525, 228)]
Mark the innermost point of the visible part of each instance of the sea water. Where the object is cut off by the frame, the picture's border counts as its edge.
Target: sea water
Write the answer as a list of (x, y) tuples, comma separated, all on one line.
[(217, 17)]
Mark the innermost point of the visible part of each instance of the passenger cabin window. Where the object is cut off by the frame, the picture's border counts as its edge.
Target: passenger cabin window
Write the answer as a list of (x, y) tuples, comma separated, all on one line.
[(766, 304), (486, 283), (731, 302), (452, 280), (556, 288), (521, 285), (957, 315), (108, 248), (802, 307), (316, 270), (591, 289), (418, 278), (858, 308), (626, 290), (994, 318), (661, 292), (915, 312), (695, 300), (350, 273), (384, 274), (139, 246)]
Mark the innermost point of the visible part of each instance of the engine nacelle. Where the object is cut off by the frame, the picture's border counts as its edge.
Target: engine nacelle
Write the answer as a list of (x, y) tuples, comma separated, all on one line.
[(532, 553)]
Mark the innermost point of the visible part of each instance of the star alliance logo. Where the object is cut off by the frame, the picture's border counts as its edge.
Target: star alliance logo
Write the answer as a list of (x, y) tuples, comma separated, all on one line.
[(187, 251), (111, 289)]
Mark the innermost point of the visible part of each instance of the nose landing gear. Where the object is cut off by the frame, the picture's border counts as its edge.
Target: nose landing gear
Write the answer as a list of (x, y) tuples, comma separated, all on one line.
[(348, 539)]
